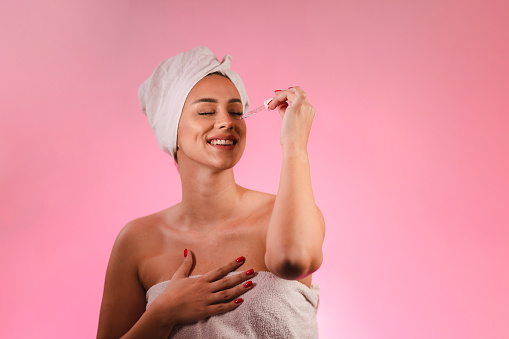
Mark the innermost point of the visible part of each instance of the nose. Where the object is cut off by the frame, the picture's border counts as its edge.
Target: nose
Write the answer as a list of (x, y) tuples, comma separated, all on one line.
[(224, 121)]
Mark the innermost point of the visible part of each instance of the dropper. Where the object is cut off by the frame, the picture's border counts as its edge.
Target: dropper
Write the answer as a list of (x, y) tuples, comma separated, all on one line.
[(258, 109)]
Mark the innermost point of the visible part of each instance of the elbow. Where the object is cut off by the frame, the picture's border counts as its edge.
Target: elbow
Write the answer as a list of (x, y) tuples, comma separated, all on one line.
[(293, 265)]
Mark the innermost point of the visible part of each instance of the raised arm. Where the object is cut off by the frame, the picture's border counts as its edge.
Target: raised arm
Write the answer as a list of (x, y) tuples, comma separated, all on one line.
[(184, 300), (296, 228)]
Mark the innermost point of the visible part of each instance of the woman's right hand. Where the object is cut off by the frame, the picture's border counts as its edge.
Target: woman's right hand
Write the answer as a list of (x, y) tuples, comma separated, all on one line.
[(187, 300)]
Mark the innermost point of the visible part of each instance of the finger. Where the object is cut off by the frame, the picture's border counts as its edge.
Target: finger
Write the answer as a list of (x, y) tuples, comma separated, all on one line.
[(220, 272), (224, 307), (282, 109), (294, 95), (231, 293), (278, 99), (185, 268), (231, 281), (297, 90)]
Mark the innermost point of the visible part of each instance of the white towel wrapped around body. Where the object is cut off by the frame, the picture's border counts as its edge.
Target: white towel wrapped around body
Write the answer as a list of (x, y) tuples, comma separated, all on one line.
[(275, 308), (164, 93)]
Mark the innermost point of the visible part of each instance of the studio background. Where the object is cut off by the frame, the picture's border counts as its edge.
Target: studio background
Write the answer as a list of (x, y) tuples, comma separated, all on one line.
[(409, 151)]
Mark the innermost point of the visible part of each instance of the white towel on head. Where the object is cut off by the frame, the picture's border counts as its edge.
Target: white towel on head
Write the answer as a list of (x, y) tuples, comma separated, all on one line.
[(274, 308), (164, 93)]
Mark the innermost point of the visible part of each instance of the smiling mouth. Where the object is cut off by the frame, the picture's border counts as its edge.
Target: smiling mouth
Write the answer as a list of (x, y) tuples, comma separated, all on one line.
[(222, 142)]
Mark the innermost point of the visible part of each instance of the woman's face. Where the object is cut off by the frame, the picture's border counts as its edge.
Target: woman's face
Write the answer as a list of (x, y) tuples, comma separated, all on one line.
[(211, 129)]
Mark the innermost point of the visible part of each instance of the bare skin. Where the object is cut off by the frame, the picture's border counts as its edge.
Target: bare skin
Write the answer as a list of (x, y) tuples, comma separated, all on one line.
[(217, 221)]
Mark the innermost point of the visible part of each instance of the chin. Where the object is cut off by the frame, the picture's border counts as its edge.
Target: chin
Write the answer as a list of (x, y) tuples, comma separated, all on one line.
[(225, 164)]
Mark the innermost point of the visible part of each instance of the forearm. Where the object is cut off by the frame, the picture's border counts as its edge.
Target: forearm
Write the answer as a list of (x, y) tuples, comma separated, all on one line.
[(296, 228), (150, 325)]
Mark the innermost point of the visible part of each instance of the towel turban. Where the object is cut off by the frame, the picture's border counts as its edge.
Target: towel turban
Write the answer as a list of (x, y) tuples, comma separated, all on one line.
[(164, 93)]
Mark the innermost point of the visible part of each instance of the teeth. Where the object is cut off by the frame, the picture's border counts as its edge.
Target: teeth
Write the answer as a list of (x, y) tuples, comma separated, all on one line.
[(221, 142)]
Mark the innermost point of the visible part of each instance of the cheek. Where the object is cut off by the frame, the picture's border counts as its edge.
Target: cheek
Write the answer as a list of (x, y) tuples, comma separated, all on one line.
[(190, 131), (242, 131), (183, 133), (241, 127)]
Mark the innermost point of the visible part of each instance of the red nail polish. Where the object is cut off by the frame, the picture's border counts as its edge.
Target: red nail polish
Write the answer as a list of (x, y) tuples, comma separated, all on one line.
[(239, 301), (277, 90), (290, 87), (240, 259), (185, 252), (250, 272), (248, 284), (269, 103)]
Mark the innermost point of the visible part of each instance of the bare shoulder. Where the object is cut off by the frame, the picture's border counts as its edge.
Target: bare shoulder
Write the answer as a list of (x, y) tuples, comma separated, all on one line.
[(140, 233), (129, 246), (134, 243), (142, 225), (124, 296), (258, 199)]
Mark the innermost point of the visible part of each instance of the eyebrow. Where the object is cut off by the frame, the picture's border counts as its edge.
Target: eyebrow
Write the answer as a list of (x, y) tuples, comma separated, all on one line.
[(212, 100)]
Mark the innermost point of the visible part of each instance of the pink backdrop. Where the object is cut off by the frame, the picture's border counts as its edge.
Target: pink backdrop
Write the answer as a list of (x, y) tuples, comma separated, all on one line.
[(410, 151)]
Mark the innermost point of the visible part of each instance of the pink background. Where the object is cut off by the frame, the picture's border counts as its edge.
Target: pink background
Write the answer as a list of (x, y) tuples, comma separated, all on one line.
[(410, 151)]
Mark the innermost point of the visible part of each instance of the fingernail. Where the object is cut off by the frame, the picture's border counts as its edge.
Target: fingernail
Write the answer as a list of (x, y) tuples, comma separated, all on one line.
[(185, 252), (250, 272), (268, 104), (248, 284), (239, 301), (277, 90), (240, 259), (290, 87)]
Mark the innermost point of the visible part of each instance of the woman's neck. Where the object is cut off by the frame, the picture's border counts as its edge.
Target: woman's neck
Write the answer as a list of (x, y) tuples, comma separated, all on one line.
[(209, 197)]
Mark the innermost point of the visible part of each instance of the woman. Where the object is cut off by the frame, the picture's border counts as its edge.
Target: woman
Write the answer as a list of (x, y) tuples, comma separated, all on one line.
[(195, 105)]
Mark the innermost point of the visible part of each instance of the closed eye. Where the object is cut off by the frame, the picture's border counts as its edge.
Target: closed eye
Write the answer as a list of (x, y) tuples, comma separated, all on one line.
[(211, 113)]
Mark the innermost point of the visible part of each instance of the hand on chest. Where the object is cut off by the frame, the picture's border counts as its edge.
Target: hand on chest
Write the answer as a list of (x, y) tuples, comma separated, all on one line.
[(210, 250)]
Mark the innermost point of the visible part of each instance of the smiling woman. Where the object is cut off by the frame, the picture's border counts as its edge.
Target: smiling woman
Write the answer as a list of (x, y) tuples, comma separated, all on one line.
[(195, 105), (211, 123)]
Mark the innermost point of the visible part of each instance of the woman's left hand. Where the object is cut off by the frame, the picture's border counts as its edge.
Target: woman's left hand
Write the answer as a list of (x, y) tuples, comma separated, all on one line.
[(297, 114)]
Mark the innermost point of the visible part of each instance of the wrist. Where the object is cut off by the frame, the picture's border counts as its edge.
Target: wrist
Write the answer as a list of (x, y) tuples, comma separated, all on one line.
[(295, 151), (162, 317)]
